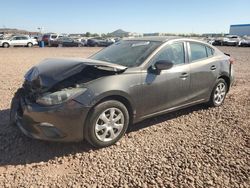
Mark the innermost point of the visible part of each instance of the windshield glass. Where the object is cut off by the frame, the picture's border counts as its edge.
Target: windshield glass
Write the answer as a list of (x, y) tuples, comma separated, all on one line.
[(127, 53)]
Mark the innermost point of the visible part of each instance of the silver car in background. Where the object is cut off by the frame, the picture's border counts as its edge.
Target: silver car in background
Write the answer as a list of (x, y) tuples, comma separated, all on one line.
[(245, 41), (231, 40), (19, 40)]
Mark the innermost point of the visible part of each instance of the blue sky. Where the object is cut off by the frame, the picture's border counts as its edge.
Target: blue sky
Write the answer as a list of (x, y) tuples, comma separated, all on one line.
[(78, 16)]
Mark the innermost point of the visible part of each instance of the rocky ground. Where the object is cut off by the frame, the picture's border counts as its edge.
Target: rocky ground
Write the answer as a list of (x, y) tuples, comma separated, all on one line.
[(195, 147)]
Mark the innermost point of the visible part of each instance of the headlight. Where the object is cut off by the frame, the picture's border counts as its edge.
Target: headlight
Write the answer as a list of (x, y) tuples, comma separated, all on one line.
[(59, 96)]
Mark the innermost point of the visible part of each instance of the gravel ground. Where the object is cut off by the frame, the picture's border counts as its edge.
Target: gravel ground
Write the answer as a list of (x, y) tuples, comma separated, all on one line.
[(194, 147)]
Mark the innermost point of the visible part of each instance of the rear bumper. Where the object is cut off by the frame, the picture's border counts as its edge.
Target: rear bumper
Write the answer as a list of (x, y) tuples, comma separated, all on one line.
[(56, 123), (230, 43)]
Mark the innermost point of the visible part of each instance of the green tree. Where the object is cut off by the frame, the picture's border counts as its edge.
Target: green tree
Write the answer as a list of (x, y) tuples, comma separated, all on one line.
[(87, 34), (95, 35)]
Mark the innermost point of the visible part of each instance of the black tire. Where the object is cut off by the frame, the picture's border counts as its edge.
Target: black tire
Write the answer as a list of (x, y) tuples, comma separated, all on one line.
[(89, 128), (6, 45), (212, 102), (14, 106), (29, 45)]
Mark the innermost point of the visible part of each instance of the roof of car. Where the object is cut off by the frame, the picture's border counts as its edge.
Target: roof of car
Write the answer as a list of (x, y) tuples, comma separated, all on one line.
[(19, 36), (155, 38), (165, 39)]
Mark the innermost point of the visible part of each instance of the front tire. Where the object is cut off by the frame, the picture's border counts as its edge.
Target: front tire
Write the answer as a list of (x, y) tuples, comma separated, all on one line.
[(219, 93), (29, 45), (15, 105), (106, 124)]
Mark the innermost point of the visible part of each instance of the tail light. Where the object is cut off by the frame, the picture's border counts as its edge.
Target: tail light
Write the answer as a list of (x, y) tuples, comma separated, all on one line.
[(231, 59)]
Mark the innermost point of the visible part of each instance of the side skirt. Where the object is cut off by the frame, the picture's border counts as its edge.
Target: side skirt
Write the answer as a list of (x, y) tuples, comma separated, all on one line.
[(171, 110)]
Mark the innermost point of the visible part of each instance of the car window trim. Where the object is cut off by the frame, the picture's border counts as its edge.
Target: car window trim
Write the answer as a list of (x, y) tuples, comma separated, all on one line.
[(189, 52), (207, 52), (147, 63)]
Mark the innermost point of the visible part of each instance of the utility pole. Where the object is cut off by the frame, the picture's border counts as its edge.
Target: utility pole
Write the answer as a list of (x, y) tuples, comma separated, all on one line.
[(40, 29)]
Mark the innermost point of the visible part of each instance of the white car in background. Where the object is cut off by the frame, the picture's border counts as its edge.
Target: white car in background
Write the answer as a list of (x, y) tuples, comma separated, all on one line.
[(18, 41), (245, 41), (231, 40)]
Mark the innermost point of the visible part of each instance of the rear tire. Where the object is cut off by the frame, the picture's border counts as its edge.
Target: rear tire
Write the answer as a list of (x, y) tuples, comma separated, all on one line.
[(218, 94), (6, 45), (106, 124)]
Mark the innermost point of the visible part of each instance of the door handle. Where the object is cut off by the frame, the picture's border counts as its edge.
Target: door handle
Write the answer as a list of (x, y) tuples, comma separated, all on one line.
[(213, 67), (184, 75)]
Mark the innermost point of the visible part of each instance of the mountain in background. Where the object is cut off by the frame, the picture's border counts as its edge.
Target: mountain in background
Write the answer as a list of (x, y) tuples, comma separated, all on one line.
[(119, 33), (15, 31)]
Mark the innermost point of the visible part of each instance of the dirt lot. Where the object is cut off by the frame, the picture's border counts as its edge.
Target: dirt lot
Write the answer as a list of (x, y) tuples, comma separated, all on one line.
[(195, 147)]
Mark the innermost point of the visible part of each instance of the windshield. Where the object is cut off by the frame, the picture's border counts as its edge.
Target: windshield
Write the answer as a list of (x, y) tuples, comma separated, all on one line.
[(127, 53)]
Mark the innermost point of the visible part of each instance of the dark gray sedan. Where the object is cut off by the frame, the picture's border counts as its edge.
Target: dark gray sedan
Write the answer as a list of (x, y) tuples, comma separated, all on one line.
[(66, 42), (98, 98)]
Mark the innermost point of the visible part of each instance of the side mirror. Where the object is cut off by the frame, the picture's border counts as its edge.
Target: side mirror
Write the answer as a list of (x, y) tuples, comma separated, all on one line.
[(162, 65)]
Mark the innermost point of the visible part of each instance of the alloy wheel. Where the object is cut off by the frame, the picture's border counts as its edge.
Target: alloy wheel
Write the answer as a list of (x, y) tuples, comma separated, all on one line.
[(109, 124), (220, 93)]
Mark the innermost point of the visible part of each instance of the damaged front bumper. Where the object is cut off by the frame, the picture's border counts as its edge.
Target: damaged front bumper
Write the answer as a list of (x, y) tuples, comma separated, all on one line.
[(62, 122)]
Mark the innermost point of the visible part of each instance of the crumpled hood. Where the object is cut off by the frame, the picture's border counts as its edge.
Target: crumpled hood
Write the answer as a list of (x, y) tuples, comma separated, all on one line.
[(51, 71)]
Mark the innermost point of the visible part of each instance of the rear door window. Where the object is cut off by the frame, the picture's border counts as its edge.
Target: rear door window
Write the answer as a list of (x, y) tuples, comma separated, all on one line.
[(198, 51), (18, 38)]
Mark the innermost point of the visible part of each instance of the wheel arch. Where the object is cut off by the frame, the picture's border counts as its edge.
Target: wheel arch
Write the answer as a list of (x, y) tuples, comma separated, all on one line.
[(6, 43), (128, 103), (227, 80), (30, 43)]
